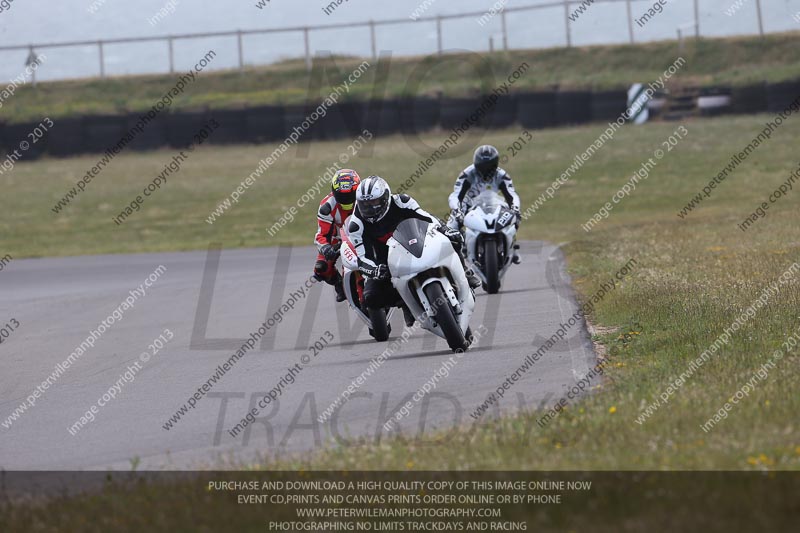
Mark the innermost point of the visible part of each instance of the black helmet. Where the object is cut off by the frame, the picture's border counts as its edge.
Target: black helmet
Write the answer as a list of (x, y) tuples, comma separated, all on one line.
[(486, 159)]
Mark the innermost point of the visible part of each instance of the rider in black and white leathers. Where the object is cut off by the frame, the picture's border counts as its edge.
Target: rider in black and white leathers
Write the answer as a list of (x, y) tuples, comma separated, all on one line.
[(370, 231), (369, 239), (483, 174), (471, 183)]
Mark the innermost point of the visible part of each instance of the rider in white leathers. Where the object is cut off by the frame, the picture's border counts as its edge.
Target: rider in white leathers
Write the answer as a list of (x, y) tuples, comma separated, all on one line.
[(484, 174)]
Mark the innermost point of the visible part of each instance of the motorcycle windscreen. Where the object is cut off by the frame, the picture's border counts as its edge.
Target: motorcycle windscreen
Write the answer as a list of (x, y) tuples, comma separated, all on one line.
[(489, 201), (411, 235)]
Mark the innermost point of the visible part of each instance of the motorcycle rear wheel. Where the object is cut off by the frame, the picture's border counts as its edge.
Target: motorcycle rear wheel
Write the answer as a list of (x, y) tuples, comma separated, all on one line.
[(380, 327)]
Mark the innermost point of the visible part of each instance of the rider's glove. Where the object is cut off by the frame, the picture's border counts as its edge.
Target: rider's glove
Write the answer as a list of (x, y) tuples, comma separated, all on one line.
[(329, 252), (458, 216), (382, 273), (453, 234)]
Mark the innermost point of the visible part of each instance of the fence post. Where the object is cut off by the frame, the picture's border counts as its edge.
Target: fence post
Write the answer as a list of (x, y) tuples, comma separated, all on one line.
[(696, 19), (372, 39), (32, 57), (505, 30), (439, 33), (491, 45), (171, 56), (566, 22), (630, 20), (308, 49), (760, 20), (102, 59), (240, 48)]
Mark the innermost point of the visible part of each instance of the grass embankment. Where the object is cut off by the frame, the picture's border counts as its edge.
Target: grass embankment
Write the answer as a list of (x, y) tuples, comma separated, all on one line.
[(729, 61), (694, 277)]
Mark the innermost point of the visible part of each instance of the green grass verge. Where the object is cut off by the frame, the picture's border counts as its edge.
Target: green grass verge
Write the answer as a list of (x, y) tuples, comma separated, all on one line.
[(729, 61), (694, 276)]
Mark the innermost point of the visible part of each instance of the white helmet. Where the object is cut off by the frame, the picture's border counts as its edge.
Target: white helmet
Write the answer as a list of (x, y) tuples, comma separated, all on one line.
[(373, 198)]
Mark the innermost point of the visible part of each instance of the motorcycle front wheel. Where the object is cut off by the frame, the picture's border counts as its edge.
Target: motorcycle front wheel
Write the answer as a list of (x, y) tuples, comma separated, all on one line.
[(444, 316), (490, 266)]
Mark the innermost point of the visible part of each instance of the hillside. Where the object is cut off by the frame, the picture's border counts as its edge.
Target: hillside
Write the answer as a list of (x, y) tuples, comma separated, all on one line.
[(731, 61)]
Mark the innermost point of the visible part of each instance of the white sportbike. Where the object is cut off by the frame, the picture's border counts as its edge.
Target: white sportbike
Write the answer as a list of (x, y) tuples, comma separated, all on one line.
[(490, 231), (428, 274)]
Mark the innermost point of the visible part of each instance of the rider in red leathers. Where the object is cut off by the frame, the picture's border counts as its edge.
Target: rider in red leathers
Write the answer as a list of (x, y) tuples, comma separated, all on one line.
[(333, 211)]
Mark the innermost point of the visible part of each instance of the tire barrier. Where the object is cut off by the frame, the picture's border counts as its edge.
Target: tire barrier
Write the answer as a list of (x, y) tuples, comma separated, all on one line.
[(454, 112), (503, 114), (573, 107), (265, 124), (749, 99), (102, 132), (383, 117), (153, 135), (537, 110), (780, 95), (16, 134), (181, 127), (345, 120), (295, 115), (419, 115), (607, 106), (66, 138), (232, 126)]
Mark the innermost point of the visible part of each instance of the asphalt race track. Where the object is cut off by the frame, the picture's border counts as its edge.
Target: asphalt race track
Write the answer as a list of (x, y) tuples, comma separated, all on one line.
[(211, 301)]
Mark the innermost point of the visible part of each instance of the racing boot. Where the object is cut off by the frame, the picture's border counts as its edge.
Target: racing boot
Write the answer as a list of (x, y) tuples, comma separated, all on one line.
[(473, 280), (408, 316), (515, 258), (339, 287)]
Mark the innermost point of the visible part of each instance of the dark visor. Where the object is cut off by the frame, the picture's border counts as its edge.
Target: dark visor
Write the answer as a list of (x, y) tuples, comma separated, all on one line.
[(345, 197), (371, 208), (486, 167)]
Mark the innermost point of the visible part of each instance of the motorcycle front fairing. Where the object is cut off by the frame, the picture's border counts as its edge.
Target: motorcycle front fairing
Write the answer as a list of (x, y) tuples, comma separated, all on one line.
[(489, 215), (420, 255)]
